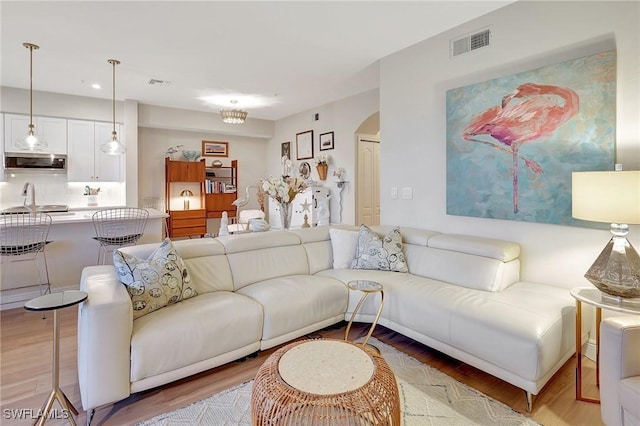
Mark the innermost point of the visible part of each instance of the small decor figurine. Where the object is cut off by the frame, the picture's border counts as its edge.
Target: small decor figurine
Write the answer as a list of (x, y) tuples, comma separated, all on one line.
[(224, 225), (306, 221), (286, 166)]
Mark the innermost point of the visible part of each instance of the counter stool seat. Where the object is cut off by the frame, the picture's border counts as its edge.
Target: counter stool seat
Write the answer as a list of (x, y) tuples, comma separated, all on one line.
[(118, 227)]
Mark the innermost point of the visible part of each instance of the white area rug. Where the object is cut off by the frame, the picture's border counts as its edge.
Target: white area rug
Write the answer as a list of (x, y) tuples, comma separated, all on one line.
[(427, 397)]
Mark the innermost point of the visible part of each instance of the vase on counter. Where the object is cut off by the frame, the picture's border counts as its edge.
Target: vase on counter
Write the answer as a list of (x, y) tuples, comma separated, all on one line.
[(92, 200), (285, 214)]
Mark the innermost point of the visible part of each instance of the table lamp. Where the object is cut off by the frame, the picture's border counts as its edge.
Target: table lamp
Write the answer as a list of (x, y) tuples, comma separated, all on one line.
[(186, 194), (612, 197)]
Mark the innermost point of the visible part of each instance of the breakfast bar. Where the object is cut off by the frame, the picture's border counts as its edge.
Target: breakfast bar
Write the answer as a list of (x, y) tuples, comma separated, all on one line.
[(71, 248)]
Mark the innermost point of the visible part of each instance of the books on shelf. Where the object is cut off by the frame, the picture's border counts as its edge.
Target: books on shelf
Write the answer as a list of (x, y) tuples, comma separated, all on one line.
[(217, 187)]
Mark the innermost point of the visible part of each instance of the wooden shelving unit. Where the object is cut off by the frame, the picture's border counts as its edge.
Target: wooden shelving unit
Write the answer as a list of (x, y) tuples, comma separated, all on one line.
[(192, 222), (221, 189)]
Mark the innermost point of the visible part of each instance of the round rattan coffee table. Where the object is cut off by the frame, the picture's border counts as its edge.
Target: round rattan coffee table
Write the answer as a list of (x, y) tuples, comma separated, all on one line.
[(325, 382)]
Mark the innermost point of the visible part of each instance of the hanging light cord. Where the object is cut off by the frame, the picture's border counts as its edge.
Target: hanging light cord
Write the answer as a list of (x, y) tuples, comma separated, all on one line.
[(114, 62), (31, 48)]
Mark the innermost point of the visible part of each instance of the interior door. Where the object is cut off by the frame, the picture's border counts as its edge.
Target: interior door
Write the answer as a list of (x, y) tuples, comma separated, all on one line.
[(368, 180)]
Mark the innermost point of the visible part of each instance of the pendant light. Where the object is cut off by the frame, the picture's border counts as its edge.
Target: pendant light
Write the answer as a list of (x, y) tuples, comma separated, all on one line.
[(31, 141), (113, 146), (234, 115)]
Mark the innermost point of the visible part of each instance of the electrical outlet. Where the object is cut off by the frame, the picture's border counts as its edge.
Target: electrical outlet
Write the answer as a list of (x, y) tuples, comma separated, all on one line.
[(407, 193), (316, 117), (394, 192)]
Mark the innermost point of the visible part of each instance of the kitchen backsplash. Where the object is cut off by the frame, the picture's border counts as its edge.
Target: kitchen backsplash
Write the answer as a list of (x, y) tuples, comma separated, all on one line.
[(53, 188)]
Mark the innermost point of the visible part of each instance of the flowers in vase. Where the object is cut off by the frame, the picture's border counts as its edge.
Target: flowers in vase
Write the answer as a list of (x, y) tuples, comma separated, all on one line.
[(321, 159), (283, 189), (339, 173)]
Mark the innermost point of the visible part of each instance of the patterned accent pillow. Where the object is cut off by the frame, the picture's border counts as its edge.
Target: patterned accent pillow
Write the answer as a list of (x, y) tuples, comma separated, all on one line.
[(384, 254), (156, 282)]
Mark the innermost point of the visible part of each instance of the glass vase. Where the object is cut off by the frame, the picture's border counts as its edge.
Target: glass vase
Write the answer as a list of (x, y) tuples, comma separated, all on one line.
[(285, 215)]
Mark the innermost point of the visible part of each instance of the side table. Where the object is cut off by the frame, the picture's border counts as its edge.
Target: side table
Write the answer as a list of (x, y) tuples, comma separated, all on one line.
[(594, 297), (54, 302), (366, 287)]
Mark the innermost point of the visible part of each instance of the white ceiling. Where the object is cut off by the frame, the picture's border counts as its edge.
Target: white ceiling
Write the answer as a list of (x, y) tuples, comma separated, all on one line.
[(275, 58)]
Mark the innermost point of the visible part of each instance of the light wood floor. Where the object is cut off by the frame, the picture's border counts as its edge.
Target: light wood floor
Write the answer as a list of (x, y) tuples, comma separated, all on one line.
[(25, 376)]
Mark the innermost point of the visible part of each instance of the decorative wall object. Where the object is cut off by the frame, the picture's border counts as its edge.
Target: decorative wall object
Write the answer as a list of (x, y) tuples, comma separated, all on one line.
[(285, 149), (512, 142), (326, 141), (304, 145), (215, 149)]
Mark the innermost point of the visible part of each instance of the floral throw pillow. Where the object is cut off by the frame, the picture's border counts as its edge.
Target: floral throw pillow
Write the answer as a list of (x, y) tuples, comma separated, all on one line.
[(156, 282), (373, 252)]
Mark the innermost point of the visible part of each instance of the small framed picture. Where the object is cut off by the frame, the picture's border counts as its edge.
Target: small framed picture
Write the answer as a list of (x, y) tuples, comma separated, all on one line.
[(285, 149), (326, 141), (304, 145), (215, 149)]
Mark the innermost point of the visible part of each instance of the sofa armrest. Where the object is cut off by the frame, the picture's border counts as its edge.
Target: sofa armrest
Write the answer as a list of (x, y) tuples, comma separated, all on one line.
[(619, 359), (105, 323)]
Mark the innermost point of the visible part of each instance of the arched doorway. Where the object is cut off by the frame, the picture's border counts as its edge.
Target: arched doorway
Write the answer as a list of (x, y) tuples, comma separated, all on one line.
[(367, 171)]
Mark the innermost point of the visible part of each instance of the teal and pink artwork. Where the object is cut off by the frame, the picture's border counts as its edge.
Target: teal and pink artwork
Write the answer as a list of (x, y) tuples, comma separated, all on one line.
[(513, 142)]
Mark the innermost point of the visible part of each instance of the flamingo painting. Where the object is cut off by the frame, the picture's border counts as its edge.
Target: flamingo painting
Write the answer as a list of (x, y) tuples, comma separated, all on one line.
[(530, 112), (513, 141)]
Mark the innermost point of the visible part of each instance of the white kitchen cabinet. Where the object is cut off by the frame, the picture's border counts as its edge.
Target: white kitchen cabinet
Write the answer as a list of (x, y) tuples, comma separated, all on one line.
[(2, 153), (52, 130), (313, 201), (85, 162)]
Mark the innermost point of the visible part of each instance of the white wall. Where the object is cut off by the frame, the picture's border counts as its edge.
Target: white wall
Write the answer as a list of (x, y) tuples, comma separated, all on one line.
[(526, 35), (342, 117)]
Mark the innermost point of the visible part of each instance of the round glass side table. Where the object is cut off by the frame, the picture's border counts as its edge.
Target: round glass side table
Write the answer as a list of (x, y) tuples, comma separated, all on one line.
[(54, 302), (366, 287)]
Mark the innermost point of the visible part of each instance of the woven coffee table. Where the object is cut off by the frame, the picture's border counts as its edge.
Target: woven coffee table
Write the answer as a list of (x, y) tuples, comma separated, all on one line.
[(325, 382)]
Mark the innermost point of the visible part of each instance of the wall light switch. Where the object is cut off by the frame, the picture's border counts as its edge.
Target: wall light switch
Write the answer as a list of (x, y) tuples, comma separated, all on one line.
[(394, 192), (407, 193)]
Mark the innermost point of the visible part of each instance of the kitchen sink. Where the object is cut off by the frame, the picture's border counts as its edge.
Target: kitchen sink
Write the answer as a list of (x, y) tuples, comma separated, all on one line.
[(45, 208)]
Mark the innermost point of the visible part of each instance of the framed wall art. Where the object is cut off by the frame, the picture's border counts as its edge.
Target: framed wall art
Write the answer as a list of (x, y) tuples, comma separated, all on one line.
[(285, 149), (304, 145), (513, 142), (326, 141), (215, 149)]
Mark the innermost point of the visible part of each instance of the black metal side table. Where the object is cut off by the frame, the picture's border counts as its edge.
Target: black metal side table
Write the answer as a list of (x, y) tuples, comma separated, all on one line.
[(54, 302)]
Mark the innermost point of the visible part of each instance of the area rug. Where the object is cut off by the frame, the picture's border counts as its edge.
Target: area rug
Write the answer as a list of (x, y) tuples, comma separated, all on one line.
[(427, 397)]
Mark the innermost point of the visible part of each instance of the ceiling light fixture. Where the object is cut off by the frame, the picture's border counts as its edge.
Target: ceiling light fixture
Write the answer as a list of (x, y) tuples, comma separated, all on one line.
[(31, 141), (233, 116), (113, 147)]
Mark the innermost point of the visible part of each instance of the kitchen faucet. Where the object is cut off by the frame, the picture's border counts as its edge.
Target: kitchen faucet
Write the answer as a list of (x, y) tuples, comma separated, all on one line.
[(25, 189)]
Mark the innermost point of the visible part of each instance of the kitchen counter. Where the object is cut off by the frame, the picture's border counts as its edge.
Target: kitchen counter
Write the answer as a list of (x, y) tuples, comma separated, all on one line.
[(71, 249)]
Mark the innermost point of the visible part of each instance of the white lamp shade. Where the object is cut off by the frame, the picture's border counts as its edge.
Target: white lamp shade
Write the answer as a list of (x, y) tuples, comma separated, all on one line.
[(612, 197)]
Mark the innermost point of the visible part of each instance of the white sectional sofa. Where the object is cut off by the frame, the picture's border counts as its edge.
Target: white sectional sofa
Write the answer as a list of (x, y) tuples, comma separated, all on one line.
[(461, 296)]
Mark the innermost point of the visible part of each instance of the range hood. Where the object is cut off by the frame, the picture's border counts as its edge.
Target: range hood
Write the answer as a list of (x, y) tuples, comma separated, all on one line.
[(35, 161)]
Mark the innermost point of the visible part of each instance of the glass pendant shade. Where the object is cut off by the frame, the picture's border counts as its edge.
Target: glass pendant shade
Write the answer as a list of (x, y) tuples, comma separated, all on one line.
[(30, 141), (612, 197), (113, 146)]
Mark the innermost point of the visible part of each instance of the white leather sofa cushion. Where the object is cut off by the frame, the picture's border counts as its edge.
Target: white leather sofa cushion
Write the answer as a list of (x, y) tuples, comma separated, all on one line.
[(192, 331), (253, 266), (420, 237), (537, 332), (629, 392), (471, 271), (479, 246), (296, 302), (204, 258), (257, 240), (317, 244)]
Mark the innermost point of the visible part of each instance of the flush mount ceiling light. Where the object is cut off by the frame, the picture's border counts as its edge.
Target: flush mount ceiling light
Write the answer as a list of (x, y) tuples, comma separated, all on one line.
[(113, 146), (31, 141), (233, 116)]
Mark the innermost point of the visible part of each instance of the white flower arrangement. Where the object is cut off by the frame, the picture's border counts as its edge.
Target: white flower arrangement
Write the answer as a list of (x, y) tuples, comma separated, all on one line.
[(283, 189), (339, 174), (321, 159)]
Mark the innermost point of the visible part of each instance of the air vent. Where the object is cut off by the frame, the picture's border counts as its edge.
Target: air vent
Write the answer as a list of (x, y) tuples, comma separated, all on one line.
[(470, 42), (156, 82)]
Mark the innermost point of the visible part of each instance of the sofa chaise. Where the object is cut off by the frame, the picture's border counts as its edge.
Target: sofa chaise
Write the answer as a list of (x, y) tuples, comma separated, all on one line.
[(462, 295)]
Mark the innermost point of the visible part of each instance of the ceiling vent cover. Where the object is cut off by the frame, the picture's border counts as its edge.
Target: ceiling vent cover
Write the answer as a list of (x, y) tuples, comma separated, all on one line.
[(156, 82), (470, 42)]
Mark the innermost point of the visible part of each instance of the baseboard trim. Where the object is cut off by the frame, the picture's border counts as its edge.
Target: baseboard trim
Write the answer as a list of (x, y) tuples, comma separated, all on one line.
[(18, 299), (590, 349)]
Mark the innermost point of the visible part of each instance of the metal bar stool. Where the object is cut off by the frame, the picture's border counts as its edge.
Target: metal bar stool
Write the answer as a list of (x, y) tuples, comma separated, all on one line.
[(118, 227), (23, 237)]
